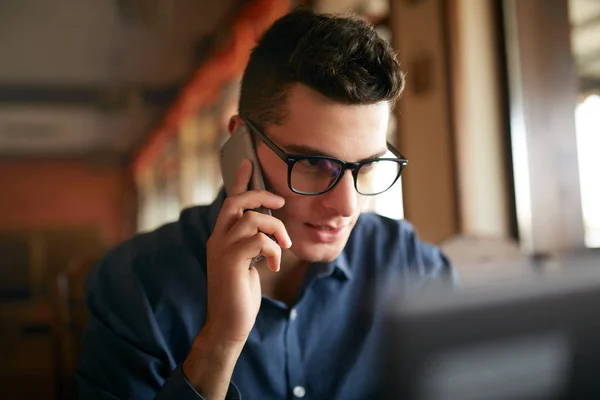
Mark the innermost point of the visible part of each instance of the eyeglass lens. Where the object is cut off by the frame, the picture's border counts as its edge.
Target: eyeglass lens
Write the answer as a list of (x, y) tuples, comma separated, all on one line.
[(317, 175)]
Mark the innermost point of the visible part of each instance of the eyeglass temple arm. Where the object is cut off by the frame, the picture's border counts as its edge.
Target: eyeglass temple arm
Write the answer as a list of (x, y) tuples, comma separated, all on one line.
[(396, 152), (266, 140)]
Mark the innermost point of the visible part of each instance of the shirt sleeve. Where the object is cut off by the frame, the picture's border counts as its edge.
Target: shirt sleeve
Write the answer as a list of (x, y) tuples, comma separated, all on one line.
[(440, 268), (124, 355), (428, 266), (178, 387)]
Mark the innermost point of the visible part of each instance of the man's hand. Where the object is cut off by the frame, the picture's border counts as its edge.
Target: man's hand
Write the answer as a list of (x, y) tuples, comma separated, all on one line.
[(234, 292)]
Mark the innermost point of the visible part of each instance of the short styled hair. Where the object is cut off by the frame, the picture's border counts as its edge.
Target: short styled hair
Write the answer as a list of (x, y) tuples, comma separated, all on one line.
[(341, 57)]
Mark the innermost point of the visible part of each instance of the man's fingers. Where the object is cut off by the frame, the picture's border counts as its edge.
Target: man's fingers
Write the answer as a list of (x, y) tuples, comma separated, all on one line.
[(234, 207), (253, 222), (242, 178), (262, 244)]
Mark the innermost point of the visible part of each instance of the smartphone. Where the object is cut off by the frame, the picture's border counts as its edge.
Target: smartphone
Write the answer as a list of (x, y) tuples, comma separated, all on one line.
[(237, 148)]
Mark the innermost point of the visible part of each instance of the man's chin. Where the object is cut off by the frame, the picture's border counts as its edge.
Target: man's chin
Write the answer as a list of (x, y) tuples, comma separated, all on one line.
[(319, 252)]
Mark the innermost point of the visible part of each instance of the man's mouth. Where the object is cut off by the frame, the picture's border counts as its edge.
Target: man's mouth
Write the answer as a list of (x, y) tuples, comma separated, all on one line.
[(325, 233)]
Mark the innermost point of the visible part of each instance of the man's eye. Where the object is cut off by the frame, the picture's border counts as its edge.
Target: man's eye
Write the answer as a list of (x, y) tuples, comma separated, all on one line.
[(317, 163), (320, 165), (367, 167)]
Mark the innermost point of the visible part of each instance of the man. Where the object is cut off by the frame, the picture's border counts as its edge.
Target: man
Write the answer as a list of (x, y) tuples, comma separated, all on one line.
[(180, 313)]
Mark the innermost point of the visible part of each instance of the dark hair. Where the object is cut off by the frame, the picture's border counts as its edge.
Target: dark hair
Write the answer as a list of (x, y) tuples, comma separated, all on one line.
[(342, 58)]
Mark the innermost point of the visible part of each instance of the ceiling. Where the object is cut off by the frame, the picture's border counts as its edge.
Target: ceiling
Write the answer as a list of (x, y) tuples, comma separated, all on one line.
[(585, 39), (90, 78), (81, 78)]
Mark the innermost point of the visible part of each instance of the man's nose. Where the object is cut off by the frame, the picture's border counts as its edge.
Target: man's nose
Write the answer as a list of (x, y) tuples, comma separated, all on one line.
[(343, 196)]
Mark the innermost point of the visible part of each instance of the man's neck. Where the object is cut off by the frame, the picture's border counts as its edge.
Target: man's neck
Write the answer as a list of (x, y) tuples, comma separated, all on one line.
[(285, 284), (289, 260)]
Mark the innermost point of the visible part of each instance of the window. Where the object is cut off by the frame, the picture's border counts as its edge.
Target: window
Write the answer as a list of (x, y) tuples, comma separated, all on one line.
[(587, 119)]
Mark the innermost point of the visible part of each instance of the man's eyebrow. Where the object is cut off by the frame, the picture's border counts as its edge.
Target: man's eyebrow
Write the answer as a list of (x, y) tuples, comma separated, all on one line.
[(311, 151)]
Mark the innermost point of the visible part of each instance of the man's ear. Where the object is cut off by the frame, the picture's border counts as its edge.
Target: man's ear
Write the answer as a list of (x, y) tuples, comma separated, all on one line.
[(234, 123)]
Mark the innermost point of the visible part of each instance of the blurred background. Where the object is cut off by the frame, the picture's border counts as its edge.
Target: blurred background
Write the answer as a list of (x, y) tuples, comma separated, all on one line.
[(112, 114)]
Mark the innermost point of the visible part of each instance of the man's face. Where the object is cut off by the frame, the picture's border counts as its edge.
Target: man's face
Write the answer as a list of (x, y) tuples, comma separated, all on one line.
[(319, 226)]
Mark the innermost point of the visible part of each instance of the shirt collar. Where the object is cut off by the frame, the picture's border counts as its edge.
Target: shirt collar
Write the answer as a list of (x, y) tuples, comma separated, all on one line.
[(338, 268), (215, 208), (340, 264)]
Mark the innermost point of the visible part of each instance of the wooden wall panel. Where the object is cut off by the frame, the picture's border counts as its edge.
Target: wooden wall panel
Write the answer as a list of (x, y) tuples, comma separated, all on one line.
[(543, 87), (424, 118)]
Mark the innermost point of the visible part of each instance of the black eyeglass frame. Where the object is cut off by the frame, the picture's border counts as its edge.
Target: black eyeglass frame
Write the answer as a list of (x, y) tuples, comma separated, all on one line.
[(292, 159)]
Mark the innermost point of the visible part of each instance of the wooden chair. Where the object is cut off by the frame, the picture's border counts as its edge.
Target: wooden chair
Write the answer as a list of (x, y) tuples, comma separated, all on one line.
[(69, 321)]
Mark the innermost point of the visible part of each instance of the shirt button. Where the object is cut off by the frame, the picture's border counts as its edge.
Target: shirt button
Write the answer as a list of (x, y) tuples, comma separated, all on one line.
[(299, 391), (293, 316)]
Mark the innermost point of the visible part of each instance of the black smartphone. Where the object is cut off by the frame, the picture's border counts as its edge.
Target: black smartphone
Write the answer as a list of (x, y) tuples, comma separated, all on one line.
[(238, 147)]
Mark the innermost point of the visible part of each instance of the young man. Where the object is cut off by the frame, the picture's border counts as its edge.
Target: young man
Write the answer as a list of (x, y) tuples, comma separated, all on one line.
[(180, 313)]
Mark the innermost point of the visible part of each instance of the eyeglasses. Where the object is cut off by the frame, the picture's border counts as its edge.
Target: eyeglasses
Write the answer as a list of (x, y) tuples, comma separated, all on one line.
[(314, 175)]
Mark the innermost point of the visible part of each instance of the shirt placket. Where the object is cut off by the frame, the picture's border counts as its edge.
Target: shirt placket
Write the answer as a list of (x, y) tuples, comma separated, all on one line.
[(296, 377)]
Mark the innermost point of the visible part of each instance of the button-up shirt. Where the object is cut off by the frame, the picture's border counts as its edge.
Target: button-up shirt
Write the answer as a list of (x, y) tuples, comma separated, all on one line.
[(147, 302)]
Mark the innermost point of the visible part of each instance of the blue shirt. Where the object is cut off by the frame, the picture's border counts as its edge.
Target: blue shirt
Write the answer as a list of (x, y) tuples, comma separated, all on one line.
[(147, 302)]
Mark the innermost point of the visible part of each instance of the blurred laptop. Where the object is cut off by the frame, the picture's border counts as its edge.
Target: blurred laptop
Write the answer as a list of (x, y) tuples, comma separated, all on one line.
[(538, 338)]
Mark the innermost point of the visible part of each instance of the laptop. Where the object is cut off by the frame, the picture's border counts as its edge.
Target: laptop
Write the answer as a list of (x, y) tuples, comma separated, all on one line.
[(533, 339)]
